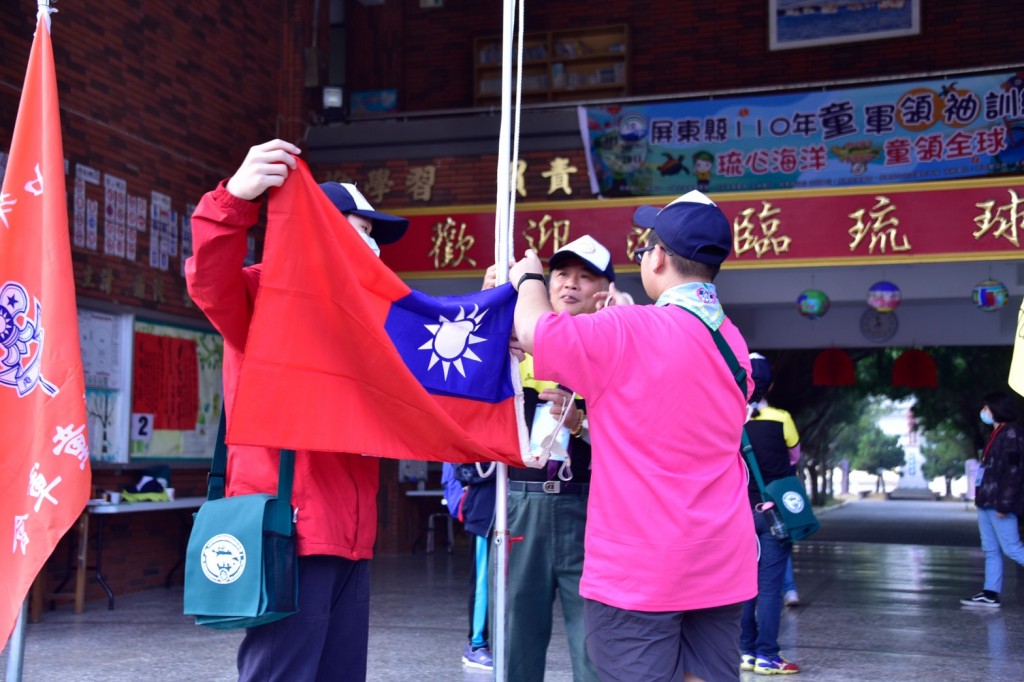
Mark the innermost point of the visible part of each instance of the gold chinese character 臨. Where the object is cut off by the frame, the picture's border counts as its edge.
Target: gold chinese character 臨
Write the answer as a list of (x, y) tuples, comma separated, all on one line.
[(451, 245), (547, 228), (762, 237), (1006, 219), (559, 175), (882, 228), (420, 182), (378, 184)]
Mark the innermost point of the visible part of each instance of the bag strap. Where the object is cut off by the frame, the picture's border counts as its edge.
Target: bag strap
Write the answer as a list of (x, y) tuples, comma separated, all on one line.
[(740, 375), (285, 475)]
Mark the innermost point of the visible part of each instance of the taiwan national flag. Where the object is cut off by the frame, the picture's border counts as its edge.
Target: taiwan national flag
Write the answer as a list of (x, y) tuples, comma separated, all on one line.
[(342, 356)]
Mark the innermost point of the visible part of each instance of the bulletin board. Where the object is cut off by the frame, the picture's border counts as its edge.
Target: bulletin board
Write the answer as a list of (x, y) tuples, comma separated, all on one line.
[(176, 390)]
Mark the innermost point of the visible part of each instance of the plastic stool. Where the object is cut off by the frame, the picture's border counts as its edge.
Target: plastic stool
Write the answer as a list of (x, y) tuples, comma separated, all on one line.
[(450, 531)]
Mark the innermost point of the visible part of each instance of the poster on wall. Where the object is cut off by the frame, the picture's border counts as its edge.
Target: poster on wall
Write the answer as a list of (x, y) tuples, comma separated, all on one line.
[(176, 385), (807, 23), (911, 131)]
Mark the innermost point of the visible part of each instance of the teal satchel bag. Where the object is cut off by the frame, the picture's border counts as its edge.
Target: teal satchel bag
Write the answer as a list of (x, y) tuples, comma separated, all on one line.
[(241, 562)]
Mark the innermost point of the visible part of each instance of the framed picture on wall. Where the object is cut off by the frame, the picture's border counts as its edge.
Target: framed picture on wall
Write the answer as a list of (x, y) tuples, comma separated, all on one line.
[(806, 23)]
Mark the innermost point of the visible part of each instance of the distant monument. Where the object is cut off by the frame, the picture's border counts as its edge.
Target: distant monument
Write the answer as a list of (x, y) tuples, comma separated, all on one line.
[(912, 484)]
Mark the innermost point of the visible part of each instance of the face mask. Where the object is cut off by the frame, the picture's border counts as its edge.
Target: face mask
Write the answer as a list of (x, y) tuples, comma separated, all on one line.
[(986, 417), (370, 242)]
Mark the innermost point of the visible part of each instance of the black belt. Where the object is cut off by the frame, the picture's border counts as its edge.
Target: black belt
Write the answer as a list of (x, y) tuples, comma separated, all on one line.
[(550, 487)]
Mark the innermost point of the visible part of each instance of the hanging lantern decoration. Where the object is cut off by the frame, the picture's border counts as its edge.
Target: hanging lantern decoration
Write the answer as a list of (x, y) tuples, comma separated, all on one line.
[(812, 303), (834, 367), (884, 297), (914, 369), (990, 295)]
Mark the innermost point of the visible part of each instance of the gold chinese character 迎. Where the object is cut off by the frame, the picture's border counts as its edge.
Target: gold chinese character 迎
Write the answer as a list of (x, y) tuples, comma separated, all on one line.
[(882, 228), (559, 175), (451, 245), (420, 182), (762, 237), (1007, 222), (547, 228), (637, 238), (378, 184)]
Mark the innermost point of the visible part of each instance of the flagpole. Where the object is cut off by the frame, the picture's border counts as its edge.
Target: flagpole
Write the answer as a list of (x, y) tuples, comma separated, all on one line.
[(16, 648)]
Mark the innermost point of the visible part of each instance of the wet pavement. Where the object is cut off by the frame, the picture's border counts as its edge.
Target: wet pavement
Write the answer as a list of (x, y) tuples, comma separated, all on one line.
[(879, 587)]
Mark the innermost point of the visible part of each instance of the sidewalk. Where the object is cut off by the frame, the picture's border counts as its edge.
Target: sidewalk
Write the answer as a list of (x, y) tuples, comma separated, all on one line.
[(870, 611)]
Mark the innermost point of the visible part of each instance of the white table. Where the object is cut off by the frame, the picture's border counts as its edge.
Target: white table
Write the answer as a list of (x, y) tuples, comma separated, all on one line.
[(103, 509)]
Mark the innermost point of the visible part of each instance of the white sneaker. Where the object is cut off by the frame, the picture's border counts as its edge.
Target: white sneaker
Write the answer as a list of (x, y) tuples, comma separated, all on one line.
[(791, 598)]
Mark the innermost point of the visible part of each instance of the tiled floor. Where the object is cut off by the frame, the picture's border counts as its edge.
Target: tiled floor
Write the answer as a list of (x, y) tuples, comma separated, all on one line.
[(870, 611)]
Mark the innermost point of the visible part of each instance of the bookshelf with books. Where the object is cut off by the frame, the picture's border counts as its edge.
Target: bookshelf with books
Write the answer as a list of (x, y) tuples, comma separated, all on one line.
[(567, 65)]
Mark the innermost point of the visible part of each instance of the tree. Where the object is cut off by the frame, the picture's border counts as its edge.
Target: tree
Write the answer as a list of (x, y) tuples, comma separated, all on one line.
[(946, 451)]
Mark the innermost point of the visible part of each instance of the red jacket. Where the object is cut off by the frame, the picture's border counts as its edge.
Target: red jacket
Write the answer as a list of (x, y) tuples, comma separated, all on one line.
[(335, 494)]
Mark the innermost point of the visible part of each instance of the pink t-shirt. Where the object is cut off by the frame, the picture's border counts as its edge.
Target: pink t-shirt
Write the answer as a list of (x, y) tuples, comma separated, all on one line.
[(669, 526)]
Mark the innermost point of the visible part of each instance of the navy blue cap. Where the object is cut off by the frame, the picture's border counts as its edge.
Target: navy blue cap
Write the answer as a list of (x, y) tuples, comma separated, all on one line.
[(346, 198), (591, 252), (692, 226), (761, 372)]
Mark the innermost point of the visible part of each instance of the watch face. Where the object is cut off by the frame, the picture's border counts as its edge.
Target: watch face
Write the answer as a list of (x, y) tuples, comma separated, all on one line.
[(878, 327)]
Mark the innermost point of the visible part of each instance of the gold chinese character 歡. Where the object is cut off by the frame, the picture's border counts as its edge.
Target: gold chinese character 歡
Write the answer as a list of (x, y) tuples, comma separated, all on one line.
[(420, 182), (378, 184), (1006, 219), (539, 232), (762, 237), (882, 228), (559, 175), (451, 245)]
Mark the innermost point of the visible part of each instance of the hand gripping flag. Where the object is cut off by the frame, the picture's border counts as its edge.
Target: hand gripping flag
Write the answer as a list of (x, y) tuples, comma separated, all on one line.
[(342, 356), (44, 462)]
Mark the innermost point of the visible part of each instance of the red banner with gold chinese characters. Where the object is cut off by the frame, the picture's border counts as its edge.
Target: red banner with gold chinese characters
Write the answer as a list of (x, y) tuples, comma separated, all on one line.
[(958, 220)]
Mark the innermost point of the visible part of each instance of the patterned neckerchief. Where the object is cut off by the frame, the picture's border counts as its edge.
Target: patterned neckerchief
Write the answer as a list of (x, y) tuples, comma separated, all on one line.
[(699, 298)]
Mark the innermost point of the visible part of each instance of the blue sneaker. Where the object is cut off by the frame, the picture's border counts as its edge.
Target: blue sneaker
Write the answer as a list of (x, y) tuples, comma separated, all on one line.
[(774, 665), (747, 661), (477, 658)]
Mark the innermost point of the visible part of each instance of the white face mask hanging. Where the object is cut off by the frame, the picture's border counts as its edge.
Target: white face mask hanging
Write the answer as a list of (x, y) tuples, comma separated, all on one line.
[(370, 241)]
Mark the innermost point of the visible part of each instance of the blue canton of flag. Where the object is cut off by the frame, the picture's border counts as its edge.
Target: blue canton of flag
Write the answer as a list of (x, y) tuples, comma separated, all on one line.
[(457, 345)]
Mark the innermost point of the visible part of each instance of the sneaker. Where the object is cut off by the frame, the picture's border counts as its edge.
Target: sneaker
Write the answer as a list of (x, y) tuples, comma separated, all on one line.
[(747, 661), (983, 598), (774, 665), (477, 658), (791, 598)]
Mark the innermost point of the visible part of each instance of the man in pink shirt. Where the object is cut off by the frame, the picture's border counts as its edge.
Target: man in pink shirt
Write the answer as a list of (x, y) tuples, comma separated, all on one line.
[(671, 553)]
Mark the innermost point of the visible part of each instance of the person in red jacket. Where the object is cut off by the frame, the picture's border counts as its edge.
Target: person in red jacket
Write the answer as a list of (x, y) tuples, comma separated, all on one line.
[(334, 494)]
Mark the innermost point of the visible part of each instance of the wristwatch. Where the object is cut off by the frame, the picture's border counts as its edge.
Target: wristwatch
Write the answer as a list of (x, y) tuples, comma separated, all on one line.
[(531, 275)]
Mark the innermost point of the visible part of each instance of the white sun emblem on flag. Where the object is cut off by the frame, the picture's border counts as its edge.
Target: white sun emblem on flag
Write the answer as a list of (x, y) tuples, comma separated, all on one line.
[(451, 339)]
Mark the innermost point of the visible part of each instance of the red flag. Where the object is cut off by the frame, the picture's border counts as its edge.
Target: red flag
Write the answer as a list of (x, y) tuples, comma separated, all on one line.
[(45, 477), (342, 356)]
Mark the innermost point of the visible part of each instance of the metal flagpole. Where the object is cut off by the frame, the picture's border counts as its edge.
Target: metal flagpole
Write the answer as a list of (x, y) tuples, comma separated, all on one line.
[(501, 260), (16, 646)]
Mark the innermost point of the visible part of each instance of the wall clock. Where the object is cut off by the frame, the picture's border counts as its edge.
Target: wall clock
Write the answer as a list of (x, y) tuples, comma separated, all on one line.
[(877, 326)]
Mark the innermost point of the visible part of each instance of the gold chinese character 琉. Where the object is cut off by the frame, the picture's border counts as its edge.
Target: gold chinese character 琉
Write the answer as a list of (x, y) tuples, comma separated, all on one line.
[(1006, 224), (519, 177), (882, 228), (547, 228), (636, 239), (420, 182), (762, 237), (378, 184), (559, 175), (451, 245)]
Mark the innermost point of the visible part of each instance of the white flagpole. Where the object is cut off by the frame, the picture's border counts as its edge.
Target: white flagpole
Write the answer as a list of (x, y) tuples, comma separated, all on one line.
[(502, 257)]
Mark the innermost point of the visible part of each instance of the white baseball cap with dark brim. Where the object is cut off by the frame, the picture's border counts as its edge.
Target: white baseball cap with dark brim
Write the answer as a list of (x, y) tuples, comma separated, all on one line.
[(588, 250), (346, 198)]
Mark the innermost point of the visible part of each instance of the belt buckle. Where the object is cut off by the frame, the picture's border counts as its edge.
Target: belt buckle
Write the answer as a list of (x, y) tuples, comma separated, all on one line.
[(552, 487)]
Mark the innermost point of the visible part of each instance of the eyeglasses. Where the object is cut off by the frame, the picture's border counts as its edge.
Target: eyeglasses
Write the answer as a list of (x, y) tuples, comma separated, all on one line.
[(639, 253)]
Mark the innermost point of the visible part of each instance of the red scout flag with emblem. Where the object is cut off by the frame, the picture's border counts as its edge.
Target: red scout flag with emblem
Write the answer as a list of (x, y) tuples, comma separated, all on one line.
[(45, 477), (343, 356)]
